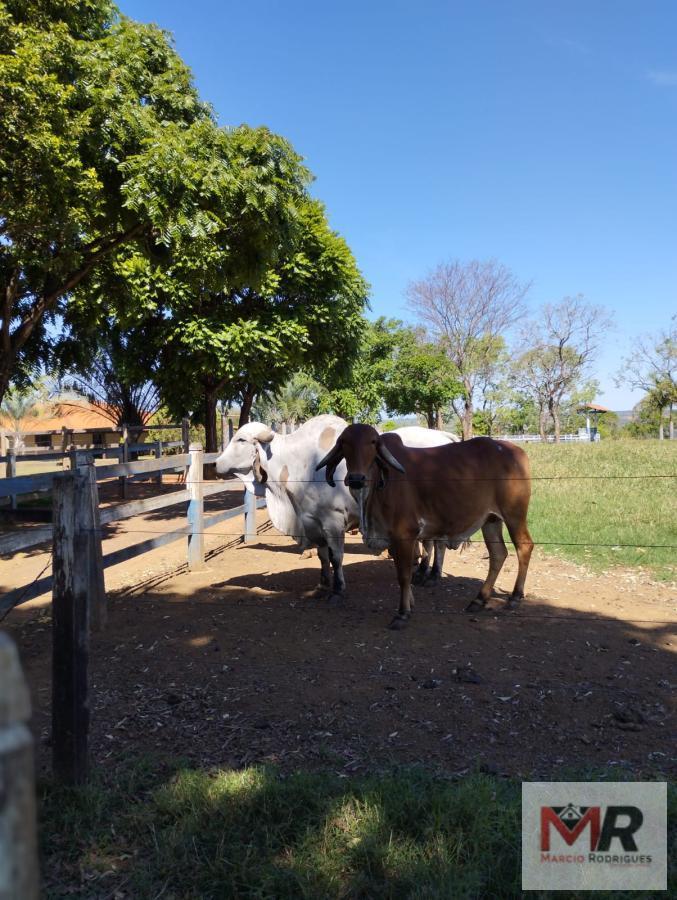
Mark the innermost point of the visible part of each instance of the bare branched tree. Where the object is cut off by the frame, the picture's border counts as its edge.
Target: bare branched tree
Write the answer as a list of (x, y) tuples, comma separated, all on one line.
[(652, 367), (559, 349), (468, 308)]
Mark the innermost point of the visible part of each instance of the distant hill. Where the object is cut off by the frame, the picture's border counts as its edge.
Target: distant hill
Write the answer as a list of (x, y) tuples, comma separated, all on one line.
[(624, 415)]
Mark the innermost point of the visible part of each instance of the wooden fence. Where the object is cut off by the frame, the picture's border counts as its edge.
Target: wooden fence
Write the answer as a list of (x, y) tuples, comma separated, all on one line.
[(18, 837), (77, 579)]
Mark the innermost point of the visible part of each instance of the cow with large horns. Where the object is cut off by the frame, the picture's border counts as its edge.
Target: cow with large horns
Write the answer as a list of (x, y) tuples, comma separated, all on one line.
[(442, 493), (283, 468)]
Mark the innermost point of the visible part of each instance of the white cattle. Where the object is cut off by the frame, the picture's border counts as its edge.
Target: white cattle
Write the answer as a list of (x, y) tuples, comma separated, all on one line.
[(300, 503)]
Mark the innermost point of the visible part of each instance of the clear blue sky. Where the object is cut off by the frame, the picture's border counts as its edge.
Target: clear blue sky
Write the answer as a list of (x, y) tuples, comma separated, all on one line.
[(541, 133)]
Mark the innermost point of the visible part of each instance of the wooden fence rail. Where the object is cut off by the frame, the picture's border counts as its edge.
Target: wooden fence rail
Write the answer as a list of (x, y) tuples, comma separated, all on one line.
[(194, 492)]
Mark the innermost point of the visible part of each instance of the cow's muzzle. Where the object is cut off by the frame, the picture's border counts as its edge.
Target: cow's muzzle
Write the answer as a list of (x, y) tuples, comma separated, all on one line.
[(356, 482)]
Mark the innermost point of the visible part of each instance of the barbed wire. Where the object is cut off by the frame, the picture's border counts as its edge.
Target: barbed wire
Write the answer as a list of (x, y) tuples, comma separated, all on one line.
[(283, 534), (435, 479)]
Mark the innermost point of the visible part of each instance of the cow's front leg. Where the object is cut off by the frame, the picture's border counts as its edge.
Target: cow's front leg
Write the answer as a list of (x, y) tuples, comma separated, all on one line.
[(338, 588), (404, 558), (324, 586)]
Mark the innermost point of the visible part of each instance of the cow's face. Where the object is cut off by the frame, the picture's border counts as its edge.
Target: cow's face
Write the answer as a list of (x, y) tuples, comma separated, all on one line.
[(242, 455), (364, 451)]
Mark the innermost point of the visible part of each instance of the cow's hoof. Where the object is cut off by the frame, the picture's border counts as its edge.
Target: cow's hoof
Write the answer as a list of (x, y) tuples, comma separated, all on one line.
[(317, 593), (475, 606), (513, 602), (398, 623), (418, 578), (432, 578)]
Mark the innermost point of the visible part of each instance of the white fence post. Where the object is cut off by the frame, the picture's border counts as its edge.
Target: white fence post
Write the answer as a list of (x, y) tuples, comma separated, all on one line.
[(19, 874), (124, 458), (158, 455), (10, 472), (194, 479), (249, 517)]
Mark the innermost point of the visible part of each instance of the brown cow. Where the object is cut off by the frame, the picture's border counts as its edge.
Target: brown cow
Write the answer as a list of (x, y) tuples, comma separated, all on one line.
[(438, 493)]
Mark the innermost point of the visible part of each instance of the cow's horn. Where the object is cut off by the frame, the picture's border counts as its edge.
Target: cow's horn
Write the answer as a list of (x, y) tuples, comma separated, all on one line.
[(331, 461), (265, 435), (387, 456)]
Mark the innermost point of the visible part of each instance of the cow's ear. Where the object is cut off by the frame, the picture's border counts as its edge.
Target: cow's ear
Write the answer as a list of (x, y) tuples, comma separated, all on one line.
[(386, 456), (260, 474), (331, 461)]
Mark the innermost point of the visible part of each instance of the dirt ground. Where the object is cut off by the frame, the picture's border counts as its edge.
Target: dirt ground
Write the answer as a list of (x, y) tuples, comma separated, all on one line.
[(236, 665)]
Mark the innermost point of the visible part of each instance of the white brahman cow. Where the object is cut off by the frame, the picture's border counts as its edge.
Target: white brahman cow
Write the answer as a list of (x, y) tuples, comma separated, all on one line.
[(300, 503)]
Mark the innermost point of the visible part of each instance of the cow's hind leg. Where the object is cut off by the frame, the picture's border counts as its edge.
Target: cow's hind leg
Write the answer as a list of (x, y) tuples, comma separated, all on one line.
[(423, 569), (435, 573), (492, 532), (403, 549), (519, 535)]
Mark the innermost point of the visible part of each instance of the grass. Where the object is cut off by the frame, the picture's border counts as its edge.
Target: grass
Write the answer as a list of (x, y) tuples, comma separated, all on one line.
[(577, 499), (156, 830)]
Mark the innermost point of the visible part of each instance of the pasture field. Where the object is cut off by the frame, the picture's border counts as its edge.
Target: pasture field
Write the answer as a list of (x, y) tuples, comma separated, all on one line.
[(591, 494), (157, 828)]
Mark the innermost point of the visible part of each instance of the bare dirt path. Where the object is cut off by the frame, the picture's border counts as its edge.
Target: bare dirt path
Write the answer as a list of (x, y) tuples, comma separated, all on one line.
[(235, 665)]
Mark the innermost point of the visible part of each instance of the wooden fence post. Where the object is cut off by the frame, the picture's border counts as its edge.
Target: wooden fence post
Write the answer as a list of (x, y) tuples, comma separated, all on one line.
[(10, 472), (18, 836), (98, 602), (72, 523), (158, 455), (194, 479), (249, 516), (185, 434), (124, 458)]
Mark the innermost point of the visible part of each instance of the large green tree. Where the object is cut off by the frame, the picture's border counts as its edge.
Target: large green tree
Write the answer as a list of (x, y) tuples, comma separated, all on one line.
[(107, 152), (421, 380)]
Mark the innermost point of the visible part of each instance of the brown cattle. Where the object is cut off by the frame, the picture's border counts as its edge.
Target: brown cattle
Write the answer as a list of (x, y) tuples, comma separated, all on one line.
[(441, 493)]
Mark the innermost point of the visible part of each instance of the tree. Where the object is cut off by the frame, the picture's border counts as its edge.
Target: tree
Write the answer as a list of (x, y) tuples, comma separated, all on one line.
[(469, 307), (21, 403), (106, 151), (293, 403), (247, 341), (114, 370), (561, 345), (652, 367), (421, 380)]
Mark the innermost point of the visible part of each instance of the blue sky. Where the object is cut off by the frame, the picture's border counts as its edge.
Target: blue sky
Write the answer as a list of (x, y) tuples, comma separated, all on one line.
[(543, 134)]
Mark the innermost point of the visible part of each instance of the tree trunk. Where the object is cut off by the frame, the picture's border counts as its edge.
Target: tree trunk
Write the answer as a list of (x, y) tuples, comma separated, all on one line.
[(246, 405), (467, 413), (541, 424), (439, 421), (430, 418), (211, 437), (555, 419)]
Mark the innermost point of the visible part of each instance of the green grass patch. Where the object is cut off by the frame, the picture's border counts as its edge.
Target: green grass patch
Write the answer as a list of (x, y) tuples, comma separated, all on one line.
[(157, 830), (578, 499)]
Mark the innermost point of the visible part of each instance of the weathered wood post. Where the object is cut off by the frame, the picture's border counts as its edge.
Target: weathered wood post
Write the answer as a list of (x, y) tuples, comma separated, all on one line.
[(185, 434), (249, 517), (98, 602), (158, 455), (72, 523), (194, 483), (18, 840), (124, 458), (224, 430), (10, 472)]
